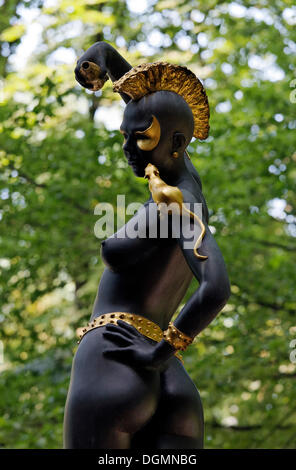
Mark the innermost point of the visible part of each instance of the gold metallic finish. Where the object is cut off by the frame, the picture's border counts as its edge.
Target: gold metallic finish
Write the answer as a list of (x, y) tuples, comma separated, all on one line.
[(137, 321), (163, 193), (91, 74), (152, 330), (157, 76), (152, 134), (176, 338), (175, 154)]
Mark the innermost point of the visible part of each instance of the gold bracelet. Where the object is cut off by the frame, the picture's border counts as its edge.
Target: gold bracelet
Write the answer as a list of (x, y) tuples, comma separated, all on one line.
[(176, 338)]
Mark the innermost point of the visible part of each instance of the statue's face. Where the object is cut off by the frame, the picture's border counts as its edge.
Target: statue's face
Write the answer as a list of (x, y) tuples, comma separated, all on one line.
[(144, 139)]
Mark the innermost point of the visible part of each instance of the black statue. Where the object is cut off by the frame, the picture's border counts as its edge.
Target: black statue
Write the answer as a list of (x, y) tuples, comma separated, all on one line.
[(129, 387)]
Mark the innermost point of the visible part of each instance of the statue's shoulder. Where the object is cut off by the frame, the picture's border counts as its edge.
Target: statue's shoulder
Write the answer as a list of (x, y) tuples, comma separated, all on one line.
[(195, 196)]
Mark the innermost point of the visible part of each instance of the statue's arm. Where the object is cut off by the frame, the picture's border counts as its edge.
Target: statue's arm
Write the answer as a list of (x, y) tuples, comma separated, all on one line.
[(214, 287), (208, 300), (212, 294), (108, 59)]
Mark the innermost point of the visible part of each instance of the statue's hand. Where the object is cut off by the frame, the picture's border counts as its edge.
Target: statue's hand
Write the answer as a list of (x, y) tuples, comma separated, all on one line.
[(132, 347), (91, 68)]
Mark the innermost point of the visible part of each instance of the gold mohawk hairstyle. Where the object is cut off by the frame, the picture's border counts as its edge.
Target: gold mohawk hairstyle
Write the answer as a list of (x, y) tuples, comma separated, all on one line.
[(157, 76)]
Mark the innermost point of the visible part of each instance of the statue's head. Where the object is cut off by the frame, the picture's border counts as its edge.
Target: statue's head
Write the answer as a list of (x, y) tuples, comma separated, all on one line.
[(157, 129), (168, 106)]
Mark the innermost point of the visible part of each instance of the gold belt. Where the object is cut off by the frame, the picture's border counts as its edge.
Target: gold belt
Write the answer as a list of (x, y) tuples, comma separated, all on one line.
[(144, 326)]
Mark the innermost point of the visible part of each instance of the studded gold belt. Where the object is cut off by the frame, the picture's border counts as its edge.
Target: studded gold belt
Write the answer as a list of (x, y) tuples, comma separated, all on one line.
[(144, 326)]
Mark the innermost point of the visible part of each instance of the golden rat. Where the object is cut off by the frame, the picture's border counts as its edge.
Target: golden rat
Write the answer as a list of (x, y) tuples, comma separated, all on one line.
[(163, 193)]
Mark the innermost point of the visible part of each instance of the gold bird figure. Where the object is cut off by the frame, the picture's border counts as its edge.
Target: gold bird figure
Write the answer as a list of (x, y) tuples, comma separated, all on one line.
[(163, 193)]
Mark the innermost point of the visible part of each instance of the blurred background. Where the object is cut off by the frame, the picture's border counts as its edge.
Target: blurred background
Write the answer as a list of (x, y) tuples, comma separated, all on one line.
[(60, 154)]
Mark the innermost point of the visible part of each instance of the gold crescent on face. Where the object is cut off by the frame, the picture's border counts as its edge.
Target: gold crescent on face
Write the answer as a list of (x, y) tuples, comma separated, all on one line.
[(151, 134)]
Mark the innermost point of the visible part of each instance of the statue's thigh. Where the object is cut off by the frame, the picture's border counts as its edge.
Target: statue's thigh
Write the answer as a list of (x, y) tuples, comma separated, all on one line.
[(107, 402)]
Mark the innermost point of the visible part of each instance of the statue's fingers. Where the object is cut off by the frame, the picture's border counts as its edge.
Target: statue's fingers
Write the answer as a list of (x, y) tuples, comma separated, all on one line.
[(128, 328), (118, 329), (117, 338)]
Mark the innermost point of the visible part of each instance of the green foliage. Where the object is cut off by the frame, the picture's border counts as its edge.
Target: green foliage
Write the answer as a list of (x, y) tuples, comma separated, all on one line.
[(51, 179)]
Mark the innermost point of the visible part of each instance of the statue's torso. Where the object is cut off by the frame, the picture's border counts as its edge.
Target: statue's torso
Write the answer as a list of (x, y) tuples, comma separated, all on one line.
[(146, 276)]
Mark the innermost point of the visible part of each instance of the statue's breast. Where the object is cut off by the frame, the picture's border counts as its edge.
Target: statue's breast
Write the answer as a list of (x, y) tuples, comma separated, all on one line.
[(133, 243)]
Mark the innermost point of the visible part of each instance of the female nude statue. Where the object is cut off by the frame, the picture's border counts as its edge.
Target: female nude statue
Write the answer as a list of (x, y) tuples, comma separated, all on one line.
[(128, 387)]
